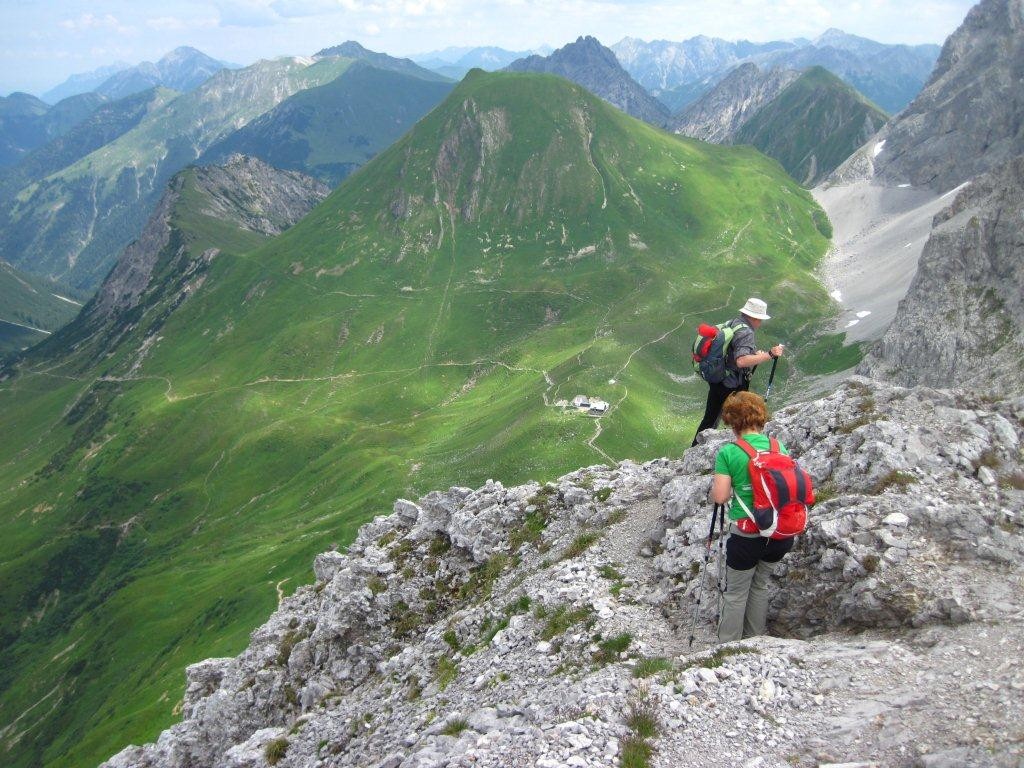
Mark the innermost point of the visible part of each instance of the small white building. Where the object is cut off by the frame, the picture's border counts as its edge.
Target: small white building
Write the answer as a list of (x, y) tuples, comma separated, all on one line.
[(581, 401), (598, 406)]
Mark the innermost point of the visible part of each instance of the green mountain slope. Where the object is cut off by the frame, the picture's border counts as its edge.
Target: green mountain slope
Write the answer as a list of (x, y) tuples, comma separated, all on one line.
[(31, 308), (331, 130), (525, 242), (109, 121), (72, 224), (27, 123), (350, 49), (813, 125)]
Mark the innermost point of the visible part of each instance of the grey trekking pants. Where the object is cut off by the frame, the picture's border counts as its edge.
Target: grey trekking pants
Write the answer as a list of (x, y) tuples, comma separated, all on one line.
[(751, 561)]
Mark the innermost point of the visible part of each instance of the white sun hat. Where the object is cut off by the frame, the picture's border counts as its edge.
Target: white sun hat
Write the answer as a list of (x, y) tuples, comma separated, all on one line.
[(755, 308)]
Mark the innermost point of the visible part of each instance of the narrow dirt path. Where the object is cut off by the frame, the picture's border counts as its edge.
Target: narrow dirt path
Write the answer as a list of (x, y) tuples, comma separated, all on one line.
[(664, 633)]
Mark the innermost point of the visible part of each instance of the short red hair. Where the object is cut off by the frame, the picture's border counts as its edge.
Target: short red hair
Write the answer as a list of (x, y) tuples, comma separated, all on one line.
[(745, 411)]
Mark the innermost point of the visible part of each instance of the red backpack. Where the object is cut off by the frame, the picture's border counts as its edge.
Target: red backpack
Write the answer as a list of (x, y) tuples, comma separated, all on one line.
[(782, 493)]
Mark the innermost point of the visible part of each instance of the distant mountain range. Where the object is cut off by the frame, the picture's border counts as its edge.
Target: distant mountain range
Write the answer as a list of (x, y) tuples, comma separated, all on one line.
[(889, 75), (107, 122), (595, 67), (27, 122), (456, 62), (331, 130), (812, 126), (72, 224), (353, 50), (83, 83), (183, 69)]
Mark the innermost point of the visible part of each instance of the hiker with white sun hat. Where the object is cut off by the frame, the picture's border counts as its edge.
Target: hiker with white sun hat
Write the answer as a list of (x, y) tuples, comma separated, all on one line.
[(741, 358)]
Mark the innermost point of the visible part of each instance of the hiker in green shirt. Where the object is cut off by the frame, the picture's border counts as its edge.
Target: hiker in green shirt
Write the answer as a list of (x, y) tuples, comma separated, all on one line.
[(750, 557)]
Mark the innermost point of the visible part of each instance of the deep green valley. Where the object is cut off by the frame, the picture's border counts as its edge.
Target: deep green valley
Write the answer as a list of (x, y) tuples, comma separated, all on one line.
[(167, 474)]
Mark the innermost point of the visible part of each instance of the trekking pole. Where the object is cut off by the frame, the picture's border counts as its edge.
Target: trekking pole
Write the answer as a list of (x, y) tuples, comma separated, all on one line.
[(703, 571), (722, 573), (771, 378)]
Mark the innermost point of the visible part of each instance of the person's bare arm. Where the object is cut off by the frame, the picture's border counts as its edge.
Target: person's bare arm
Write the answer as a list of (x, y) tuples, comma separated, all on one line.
[(721, 488), (749, 361)]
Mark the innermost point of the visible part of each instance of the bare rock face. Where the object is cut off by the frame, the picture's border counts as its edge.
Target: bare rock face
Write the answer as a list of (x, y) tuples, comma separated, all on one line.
[(719, 114), (521, 626), (257, 196), (595, 67), (969, 118), (962, 320), (245, 192)]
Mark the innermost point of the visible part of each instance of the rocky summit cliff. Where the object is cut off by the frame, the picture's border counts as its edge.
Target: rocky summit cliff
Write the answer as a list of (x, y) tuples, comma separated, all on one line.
[(962, 320), (592, 65), (547, 625), (968, 118), (168, 262), (720, 113)]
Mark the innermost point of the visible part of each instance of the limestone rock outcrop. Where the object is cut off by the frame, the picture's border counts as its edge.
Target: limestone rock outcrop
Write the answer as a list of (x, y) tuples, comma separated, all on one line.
[(530, 625), (968, 118), (962, 320)]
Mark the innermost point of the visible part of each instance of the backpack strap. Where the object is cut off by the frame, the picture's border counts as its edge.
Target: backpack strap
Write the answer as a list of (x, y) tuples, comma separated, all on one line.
[(773, 445), (746, 447)]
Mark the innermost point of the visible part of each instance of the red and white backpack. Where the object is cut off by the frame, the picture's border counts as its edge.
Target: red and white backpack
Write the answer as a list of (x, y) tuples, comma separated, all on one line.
[(782, 493)]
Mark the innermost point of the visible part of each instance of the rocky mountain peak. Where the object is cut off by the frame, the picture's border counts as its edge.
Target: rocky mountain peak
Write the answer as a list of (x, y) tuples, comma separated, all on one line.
[(719, 114), (590, 64), (962, 320), (244, 192), (968, 118), (349, 48), (529, 625)]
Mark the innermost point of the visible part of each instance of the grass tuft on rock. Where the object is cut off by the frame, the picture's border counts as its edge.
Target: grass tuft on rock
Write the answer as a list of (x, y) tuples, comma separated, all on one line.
[(275, 751)]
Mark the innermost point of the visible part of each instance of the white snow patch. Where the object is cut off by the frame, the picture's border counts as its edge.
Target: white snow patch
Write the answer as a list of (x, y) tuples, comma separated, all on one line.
[(908, 245), (852, 323), (878, 148), (954, 190), (863, 313), (30, 327), (902, 186), (65, 298), (837, 295)]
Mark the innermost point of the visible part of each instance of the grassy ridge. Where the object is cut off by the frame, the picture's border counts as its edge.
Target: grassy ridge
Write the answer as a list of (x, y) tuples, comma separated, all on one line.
[(332, 129), (524, 243), (813, 125)]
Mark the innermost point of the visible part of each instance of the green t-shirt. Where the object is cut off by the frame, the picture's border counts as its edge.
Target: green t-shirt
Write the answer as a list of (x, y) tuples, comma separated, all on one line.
[(732, 461)]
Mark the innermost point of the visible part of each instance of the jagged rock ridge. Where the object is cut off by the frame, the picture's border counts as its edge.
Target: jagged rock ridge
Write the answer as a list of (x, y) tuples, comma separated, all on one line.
[(809, 121), (969, 117), (512, 626), (962, 320), (245, 193), (718, 115), (595, 67)]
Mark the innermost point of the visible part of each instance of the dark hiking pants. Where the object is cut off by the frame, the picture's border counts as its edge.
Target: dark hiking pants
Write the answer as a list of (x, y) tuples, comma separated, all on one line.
[(713, 409)]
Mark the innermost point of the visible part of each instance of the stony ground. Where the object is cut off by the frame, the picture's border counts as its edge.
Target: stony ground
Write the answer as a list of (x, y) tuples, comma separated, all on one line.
[(549, 625)]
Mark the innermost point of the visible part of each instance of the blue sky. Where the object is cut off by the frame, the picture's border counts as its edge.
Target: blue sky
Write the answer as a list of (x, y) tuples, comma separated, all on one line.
[(42, 42)]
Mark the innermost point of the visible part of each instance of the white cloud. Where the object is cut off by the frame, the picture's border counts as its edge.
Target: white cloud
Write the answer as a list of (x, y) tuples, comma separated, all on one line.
[(246, 13), (297, 9), (89, 22), (166, 24)]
